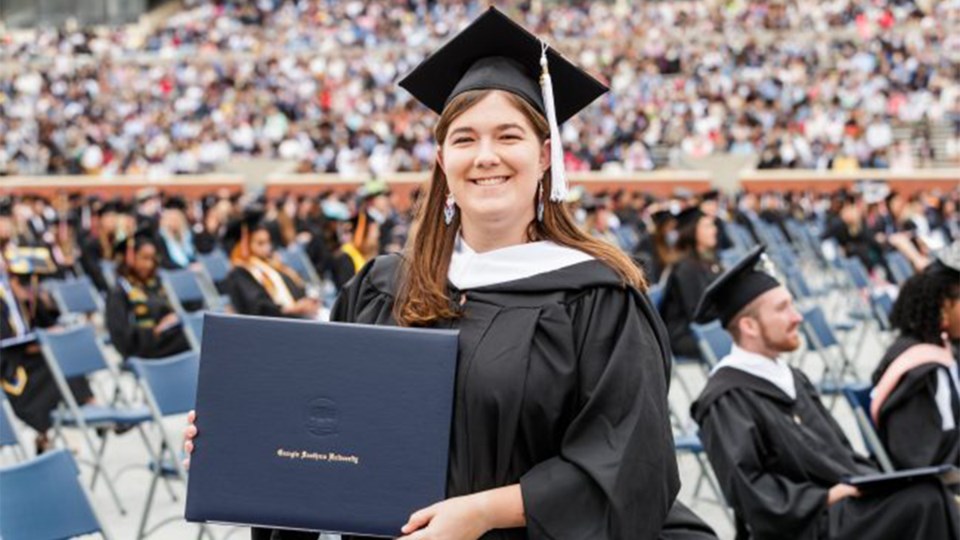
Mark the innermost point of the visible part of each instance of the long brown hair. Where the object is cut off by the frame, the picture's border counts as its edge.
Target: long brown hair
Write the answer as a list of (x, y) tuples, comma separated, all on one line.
[(422, 295)]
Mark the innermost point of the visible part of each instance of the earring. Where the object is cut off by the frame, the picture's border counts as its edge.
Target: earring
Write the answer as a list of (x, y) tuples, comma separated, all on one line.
[(449, 209), (540, 203)]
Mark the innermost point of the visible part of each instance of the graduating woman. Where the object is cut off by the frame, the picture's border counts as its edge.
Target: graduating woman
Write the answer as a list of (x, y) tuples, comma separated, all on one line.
[(916, 403), (258, 284), (689, 277), (560, 425), (139, 318)]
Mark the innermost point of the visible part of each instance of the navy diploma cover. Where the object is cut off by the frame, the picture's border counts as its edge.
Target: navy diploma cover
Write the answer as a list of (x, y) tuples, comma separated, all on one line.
[(320, 426)]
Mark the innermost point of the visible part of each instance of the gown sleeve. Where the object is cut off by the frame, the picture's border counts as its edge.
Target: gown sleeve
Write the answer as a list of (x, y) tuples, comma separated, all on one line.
[(775, 506), (616, 474), (912, 427)]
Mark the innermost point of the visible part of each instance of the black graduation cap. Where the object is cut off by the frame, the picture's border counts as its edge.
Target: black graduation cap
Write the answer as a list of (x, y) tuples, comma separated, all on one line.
[(143, 235), (494, 52), (251, 218), (711, 195), (947, 260), (689, 216), (175, 202), (661, 216), (734, 289), (29, 260)]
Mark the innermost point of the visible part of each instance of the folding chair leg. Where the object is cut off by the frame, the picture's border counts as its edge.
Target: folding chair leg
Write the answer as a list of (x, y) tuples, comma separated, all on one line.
[(149, 502), (97, 465), (158, 459), (99, 459)]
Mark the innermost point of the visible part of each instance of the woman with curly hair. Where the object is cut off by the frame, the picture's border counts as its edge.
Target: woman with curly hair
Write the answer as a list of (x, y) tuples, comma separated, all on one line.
[(916, 403)]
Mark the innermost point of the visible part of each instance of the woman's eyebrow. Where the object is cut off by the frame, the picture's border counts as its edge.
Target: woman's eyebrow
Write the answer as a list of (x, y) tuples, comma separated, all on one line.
[(501, 127)]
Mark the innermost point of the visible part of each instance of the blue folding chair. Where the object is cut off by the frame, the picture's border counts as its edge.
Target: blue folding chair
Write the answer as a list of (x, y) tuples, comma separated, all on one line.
[(170, 387), (859, 399), (76, 352), (822, 341), (655, 293), (714, 341), (184, 287), (689, 443), (109, 270), (296, 258), (900, 267), (193, 328), (216, 265), (42, 498), (77, 297), (882, 306), (8, 431)]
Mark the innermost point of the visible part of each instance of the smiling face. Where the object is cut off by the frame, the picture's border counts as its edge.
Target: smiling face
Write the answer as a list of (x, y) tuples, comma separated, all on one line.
[(493, 161)]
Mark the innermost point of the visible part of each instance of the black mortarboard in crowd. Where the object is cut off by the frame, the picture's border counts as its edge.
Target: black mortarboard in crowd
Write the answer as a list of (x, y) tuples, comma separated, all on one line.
[(711, 195), (140, 237), (494, 52), (175, 202), (727, 295), (661, 216), (689, 216), (250, 220)]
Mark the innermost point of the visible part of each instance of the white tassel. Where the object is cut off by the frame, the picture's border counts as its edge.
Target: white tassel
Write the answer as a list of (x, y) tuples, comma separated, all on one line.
[(558, 174)]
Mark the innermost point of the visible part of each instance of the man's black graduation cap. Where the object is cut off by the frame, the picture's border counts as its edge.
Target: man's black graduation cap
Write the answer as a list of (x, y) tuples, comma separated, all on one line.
[(734, 289), (689, 216), (175, 202), (494, 52)]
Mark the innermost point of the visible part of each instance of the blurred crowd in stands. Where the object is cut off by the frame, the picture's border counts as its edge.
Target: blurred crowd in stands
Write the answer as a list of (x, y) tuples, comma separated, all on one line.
[(835, 84)]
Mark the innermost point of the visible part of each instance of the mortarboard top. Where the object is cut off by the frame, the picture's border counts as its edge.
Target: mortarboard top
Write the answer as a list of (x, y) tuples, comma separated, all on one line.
[(143, 235), (251, 218), (494, 52), (689, 217), (727, 295), (26, 260), (661, 216), (711, 195), (947, 260), (175, 202)]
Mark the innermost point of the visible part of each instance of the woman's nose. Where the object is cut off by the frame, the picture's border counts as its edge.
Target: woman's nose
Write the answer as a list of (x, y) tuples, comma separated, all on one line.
[(486, 155)]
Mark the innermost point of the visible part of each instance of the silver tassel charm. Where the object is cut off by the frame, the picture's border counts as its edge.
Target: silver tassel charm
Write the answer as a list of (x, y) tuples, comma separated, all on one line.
[(558, 174)]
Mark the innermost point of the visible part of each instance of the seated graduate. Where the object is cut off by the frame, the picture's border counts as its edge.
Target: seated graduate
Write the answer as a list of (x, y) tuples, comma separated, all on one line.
[(258, 284), (174, 236), (779, 456), (140, 319), (916, 397), (24, 375), (362, 247), (689, 277)]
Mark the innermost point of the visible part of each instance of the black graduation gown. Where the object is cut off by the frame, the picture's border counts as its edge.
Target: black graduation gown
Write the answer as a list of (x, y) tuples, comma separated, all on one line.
[(248, 297), (776, 458), (27, 381), (685, 285), (561, 387), (909, 423), (133, 311), (91, 253)]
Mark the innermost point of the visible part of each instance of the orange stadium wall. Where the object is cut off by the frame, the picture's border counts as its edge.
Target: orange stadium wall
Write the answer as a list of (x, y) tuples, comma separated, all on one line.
[(661, 183), (127, 186), (760, 181)]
